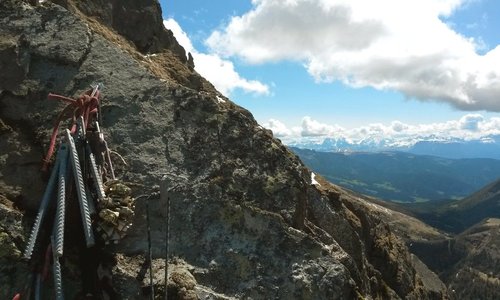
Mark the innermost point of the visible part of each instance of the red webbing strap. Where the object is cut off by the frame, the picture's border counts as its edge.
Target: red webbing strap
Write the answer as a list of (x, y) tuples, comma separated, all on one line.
[(86, 105), (53, 137)]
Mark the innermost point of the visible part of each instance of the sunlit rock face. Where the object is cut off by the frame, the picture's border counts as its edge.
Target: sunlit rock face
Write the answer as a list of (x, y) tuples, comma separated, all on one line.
[(244, 220)]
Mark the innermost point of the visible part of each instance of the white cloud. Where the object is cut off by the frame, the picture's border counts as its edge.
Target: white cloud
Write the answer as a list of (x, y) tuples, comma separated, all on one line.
[(385, 44), (279, 129), (398, 126), (312, 127), (307, 128), (220, 72), (471, 122), (468, 127), (179, 34)]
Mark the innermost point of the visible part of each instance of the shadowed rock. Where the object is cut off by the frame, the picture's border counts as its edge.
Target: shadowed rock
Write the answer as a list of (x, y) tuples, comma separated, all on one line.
[(245, 221)]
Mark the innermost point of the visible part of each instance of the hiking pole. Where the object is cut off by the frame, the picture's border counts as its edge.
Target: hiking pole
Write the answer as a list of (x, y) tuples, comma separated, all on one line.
[(150, 253), (167, 223)]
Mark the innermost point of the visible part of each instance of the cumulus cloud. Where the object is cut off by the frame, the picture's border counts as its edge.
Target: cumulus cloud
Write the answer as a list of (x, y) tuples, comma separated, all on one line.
[(398, 126), (468, 127), (220, 72), (312, 127), (279, 129), (385, 44), (471, 122)]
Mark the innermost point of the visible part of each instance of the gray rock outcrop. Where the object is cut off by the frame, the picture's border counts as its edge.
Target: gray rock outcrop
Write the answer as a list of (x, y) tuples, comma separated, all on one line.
[(245, 221)]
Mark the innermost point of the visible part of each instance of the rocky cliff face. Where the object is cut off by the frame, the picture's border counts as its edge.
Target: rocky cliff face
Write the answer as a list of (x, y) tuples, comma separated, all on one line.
[(468, 263), (476, 275), (245, 221)]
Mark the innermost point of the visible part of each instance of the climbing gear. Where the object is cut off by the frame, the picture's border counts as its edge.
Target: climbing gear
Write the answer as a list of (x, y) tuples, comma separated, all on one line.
[(167, 236), (85, 106), (49, 190), (81, 165), (80, 191), (150, 252)]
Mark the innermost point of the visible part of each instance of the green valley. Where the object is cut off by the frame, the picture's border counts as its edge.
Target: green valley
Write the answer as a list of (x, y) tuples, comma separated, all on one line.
[(402, 177)]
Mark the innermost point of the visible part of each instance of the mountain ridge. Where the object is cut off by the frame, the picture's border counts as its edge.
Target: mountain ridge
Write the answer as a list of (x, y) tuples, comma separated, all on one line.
[(401, 176), (459, 215), (451, 147), (244, 220), (464, 251)]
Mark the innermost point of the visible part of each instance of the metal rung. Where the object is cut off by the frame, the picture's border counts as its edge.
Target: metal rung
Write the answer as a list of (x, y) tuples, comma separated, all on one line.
[(80, 125), (49, 191), (56, 269), (96, 176), (92, 208), (80, 189), (61, 203)]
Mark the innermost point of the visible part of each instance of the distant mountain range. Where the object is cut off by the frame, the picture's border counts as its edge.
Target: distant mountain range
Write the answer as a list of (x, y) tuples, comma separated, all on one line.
[(402, 177), (486, 147)]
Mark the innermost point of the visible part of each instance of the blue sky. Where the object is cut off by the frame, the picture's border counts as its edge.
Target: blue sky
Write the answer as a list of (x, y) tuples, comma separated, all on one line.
[(328, 67)]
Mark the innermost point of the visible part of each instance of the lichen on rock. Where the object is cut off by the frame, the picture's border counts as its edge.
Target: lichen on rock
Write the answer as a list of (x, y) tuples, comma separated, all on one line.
[(242, 215)]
